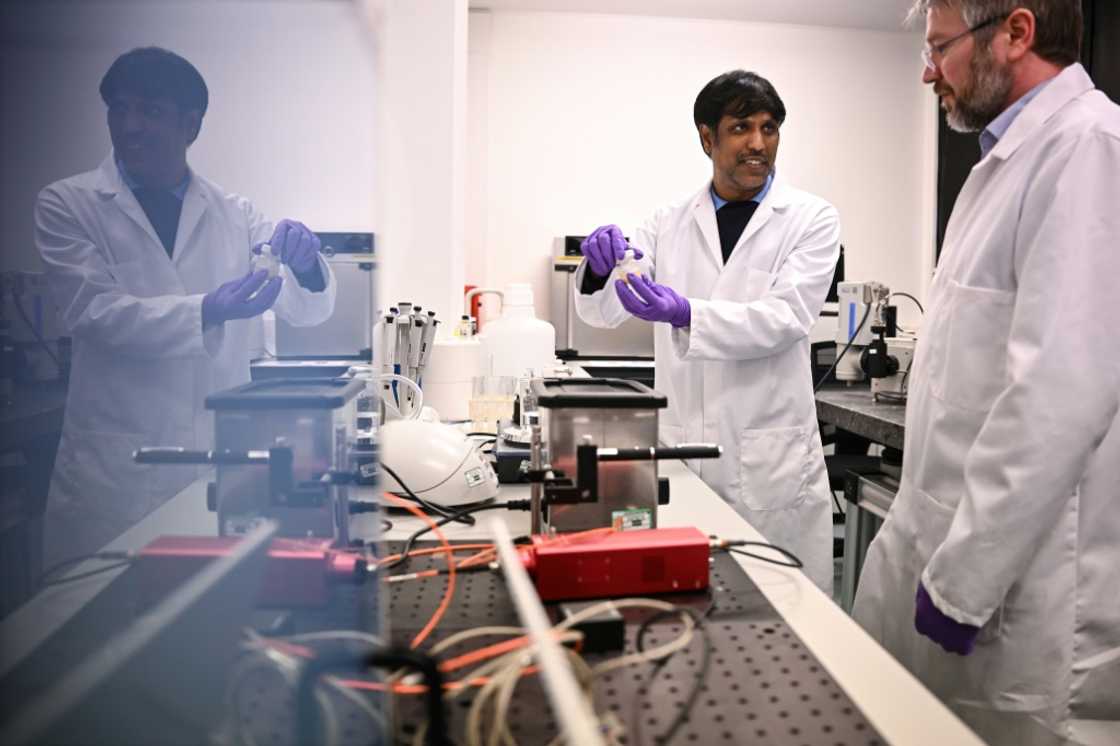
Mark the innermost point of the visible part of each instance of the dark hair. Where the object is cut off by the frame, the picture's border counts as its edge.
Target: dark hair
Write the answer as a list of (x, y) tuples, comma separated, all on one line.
[(738, 94), (1059, 24), (150, 72)]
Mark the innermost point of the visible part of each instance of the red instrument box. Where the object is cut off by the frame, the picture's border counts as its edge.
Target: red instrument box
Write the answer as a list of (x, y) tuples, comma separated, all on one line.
[(623, 563)]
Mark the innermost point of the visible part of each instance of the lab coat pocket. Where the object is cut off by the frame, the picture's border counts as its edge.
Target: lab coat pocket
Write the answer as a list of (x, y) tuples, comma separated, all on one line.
[(773, 467), (974, 369), (925, 519)]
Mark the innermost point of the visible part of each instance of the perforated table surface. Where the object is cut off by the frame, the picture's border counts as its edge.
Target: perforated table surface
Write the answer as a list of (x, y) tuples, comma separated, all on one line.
[(762, 685)]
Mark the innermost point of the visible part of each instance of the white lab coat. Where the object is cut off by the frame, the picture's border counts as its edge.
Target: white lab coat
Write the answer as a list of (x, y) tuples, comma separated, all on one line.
[(740, 374), (141, 366), (1009, 505)]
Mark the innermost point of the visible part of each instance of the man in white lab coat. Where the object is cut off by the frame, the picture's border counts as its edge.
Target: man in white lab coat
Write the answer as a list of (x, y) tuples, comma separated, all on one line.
[(149, 265), (996, 576), (737, 276)]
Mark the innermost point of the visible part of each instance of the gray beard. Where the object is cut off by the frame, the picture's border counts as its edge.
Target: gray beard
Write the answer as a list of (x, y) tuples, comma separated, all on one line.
[(986, 96)]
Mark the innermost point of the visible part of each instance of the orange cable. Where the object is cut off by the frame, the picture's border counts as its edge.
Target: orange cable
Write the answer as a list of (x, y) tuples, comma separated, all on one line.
[(481, 654), (445, 602), (436, 550), (377, 686)]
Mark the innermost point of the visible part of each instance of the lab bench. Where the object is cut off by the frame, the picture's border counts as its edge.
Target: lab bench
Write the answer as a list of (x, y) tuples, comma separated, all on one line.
[(868, 496), (30, 426), (853, 409), (894, 703)]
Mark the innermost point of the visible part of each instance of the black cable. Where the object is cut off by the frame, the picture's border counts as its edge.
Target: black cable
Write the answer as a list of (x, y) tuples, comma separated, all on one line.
[(307, 711), (658, 666), (844, 352), (84, 575), (106, 555), (794, 563), (917, 302), (429, 506), (34, 332), (408, 545)]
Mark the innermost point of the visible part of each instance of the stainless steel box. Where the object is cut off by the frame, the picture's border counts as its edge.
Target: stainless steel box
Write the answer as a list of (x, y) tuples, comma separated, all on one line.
[(614, 413), (313, 417)]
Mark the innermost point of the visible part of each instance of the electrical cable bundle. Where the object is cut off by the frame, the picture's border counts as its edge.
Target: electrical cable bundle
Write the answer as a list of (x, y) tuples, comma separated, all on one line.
[(900, 398), (510, 661), (734, 546), (843, 352)]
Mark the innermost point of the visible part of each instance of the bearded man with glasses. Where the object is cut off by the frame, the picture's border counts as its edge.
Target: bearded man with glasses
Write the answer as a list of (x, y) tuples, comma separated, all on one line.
[(1003, 542)]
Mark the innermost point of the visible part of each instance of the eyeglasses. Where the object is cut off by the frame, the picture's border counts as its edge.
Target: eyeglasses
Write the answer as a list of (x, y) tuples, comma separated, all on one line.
[(940, 49)]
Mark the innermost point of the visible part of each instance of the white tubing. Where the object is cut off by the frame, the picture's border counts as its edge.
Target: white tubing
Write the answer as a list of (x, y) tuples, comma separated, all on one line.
[(570, 708), (417, 401)]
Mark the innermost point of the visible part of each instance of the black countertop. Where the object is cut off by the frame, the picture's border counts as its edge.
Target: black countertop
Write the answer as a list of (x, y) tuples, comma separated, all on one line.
[(854, 410)]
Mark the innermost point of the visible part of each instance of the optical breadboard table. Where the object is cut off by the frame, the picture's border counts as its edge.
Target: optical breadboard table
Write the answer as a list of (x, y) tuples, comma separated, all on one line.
[(762, 684), (896, 706)]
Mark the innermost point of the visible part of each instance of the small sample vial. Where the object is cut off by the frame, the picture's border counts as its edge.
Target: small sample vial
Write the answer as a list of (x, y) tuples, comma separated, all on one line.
[(267, 261), (627, 265)]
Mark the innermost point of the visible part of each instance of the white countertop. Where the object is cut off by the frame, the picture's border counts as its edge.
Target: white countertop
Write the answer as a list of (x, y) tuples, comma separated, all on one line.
[(893, 701)]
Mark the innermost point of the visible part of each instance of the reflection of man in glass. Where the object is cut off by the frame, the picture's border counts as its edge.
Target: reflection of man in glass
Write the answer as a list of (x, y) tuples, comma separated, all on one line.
[(150, 266)]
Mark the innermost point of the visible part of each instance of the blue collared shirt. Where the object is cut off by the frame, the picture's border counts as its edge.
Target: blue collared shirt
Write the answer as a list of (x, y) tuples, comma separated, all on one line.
[(179, 191), (719, 201), (998, 127)]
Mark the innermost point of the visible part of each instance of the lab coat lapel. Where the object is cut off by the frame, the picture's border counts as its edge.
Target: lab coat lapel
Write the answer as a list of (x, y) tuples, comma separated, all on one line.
[(776, 199), (194, 205), (704, 213), (969, 207), (113, 186), (1068, 85)]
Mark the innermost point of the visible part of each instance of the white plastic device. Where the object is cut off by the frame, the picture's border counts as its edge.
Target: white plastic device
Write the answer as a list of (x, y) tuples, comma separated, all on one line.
[(438, 462)]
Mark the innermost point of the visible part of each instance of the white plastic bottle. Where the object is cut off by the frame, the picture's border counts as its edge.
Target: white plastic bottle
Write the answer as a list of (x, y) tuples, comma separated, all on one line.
[(518, 340)]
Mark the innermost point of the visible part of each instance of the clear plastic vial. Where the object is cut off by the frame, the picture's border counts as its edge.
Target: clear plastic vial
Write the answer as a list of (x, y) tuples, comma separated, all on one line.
[(627, 265), (267, 261)]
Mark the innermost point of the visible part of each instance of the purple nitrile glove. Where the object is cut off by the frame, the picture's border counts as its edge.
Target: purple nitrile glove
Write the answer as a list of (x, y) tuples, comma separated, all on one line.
[(232, 301), (653, 302), (948, 633), (604, 248), (296, 246)]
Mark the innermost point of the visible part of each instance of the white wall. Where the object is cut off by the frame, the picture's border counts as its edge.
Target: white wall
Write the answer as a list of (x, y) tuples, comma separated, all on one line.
[(422, 67), (291, 117), (587, 119)]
